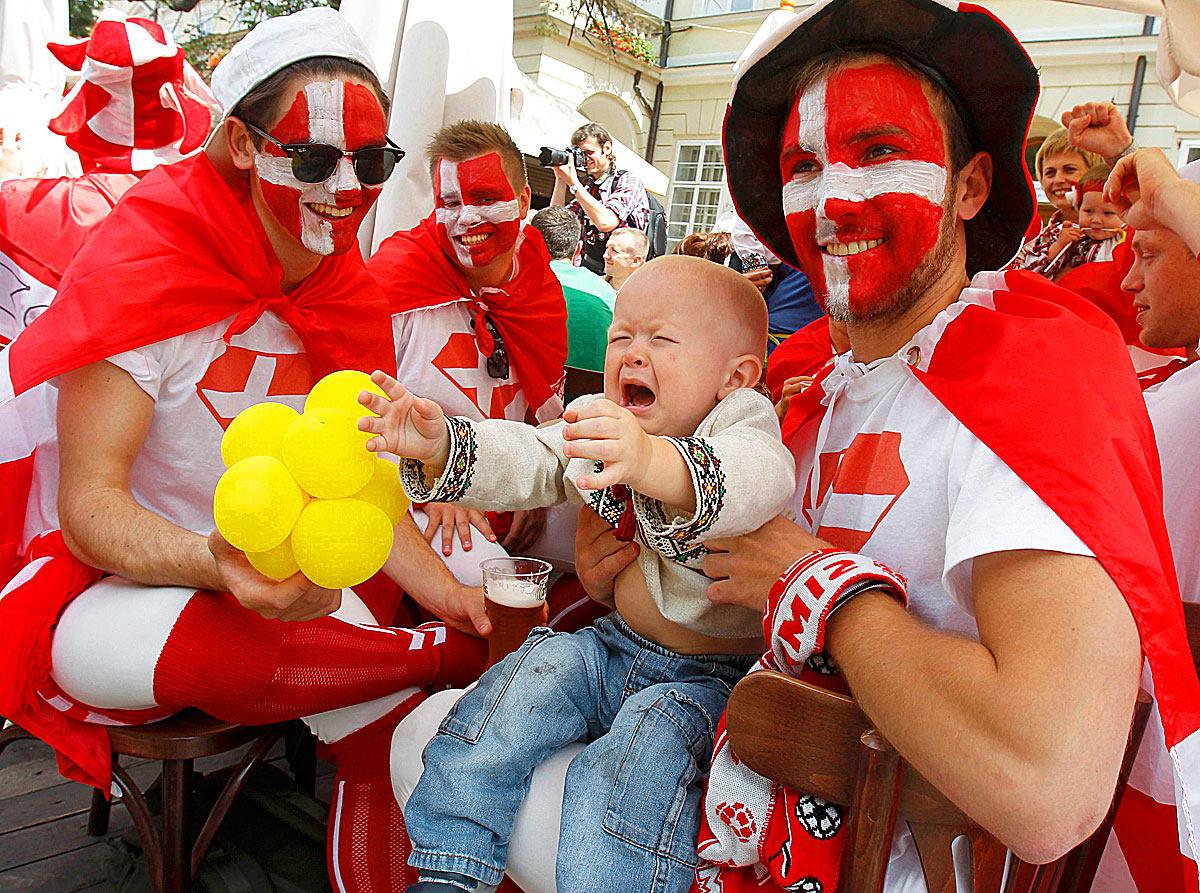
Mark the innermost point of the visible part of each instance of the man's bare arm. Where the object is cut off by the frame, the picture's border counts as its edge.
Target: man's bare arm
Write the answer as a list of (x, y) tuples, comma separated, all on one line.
[(103, 418), (1025, 729), (417, 569)]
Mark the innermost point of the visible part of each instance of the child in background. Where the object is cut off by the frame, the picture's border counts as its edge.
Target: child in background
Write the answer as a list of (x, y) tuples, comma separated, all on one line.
[(1099, 230), (679, 450), (1059, 167)]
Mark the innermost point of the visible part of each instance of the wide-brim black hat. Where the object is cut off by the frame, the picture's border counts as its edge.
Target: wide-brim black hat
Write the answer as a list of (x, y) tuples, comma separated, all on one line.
[(960, 46)]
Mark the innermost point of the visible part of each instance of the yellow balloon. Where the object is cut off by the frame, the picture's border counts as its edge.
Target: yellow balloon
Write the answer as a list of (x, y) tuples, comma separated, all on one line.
[(326, 454), (383, 490), (340, 390), (341, 542), (256, 431), (278, 563), (256, 504)]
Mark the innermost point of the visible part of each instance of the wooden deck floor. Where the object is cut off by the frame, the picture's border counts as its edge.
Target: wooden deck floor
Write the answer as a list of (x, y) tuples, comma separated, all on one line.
[(44, 844)]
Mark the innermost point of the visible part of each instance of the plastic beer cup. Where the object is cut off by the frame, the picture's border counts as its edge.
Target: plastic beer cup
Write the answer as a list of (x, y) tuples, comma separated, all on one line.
[(515, 599)]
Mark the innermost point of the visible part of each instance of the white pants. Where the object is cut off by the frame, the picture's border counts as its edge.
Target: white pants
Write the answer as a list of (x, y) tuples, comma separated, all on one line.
[(534, 843), (108, 641)]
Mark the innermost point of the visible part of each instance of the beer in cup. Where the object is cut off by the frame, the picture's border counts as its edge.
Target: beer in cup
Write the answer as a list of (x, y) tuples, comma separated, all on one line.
[(515, 598)]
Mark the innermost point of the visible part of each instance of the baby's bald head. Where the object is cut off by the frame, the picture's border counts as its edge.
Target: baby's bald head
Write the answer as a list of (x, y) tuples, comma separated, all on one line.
[(713, 297), (686, 333)]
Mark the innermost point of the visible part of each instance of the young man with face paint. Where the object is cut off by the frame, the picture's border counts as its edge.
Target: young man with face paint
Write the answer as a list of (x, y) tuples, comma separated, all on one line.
[(225, 280), (478, 317), (943, 446)]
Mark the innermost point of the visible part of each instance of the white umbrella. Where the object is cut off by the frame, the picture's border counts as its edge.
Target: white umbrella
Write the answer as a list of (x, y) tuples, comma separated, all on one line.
[(442, 62), (1178, 44)]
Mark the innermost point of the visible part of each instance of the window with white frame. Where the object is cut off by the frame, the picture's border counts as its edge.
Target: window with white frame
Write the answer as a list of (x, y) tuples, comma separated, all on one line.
[(1189, 151), (695, 189), (716, 7)]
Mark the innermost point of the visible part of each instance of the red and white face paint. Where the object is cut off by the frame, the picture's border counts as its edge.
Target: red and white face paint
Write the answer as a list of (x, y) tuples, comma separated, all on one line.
[(324, 216), (478, 214), (864, 179)]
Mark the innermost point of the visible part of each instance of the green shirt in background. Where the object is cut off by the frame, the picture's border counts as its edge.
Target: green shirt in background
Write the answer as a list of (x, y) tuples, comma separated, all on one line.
[(589, 312)]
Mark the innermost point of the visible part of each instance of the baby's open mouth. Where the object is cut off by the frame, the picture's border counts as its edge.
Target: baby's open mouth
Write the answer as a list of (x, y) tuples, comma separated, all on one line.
[(636, 396), (328, 210), (845, 249)]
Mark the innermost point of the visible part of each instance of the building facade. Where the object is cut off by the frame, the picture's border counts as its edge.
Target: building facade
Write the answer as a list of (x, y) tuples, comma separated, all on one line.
[(1083, 54)]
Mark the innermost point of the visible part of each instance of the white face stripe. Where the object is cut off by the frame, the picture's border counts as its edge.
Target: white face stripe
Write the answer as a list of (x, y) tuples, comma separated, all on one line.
[(858, 184), (852, 184), (459, 218), (325, 101), (839, 180)]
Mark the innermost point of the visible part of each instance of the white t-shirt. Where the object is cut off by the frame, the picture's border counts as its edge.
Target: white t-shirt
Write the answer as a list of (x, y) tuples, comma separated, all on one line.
[(1174, 407), (437, 358), (894, 475), (198, 384)]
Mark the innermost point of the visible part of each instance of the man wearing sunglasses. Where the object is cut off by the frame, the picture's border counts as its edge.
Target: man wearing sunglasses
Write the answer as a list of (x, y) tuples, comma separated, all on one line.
[(222, 281), (479, 318)]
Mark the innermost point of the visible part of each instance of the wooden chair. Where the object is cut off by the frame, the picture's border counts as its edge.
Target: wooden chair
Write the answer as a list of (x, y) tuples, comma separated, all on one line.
[(841, 758), (173, 860)]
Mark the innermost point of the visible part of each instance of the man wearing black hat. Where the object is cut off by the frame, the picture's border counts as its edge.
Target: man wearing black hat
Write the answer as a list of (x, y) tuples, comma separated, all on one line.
[(881, 151)]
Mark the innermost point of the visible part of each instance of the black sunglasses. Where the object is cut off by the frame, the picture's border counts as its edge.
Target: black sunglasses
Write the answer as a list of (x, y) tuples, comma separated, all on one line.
[(314, 162), (497, 363)]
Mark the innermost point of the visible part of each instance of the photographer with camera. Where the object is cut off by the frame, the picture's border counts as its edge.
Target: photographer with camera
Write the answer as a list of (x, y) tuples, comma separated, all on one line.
[(605, 197)]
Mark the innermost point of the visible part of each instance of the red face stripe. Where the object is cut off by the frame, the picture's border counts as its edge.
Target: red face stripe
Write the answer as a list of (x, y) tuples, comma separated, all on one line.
[(863, 162), (478, 214), (344, 115)]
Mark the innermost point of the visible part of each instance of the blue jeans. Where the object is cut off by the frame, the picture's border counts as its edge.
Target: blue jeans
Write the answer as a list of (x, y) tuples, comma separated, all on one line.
[(631, 807)]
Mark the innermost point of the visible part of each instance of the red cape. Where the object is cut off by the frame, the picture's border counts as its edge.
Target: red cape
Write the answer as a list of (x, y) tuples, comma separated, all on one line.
[(529, 310), (185, 249), (43, 222), (804, 352), (1087, 449)]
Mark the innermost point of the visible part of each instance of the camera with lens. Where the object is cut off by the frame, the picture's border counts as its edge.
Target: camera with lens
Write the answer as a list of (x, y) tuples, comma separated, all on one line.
[(558, 157)]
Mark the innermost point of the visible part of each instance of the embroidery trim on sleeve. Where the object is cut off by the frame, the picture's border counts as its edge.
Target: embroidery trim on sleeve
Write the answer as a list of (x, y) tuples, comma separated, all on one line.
[(455, 479), (681, 541)]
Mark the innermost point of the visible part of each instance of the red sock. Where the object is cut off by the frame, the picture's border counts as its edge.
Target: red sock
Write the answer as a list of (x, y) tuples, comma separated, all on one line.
[(368, 844), (241, 667)]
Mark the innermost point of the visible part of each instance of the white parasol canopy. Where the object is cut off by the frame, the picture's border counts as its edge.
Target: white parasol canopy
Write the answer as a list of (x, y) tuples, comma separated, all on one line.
[(1178, 44)]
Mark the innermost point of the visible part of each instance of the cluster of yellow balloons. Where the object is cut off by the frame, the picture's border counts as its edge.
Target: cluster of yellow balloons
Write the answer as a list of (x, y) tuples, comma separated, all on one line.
[(303, 493)]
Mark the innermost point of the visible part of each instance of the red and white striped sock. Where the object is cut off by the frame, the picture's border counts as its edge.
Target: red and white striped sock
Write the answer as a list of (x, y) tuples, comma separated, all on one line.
[(241, 667), (368, 844)]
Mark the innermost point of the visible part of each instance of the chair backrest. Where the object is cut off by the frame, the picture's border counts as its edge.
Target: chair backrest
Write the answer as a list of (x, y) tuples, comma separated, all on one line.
[(843, 759)]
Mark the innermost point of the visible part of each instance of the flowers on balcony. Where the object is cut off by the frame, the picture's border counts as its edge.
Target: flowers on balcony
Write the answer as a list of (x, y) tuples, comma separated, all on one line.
[(621, 37)]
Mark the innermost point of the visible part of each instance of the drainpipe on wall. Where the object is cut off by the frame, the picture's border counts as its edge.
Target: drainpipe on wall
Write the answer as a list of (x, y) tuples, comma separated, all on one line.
[(1139, 78), (663, 51)]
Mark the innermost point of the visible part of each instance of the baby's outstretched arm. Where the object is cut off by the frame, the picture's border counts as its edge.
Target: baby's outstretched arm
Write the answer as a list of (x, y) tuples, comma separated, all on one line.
[(406, 425), (603, 431)]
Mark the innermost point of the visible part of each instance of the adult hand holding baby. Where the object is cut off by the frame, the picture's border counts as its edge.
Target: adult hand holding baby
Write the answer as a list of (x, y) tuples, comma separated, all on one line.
[(405, 424), (744, 568)]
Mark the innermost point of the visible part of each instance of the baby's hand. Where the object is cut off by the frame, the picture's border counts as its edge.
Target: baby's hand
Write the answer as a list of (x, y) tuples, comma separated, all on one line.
[(1069, 234), (407, 425), (608, 433)]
